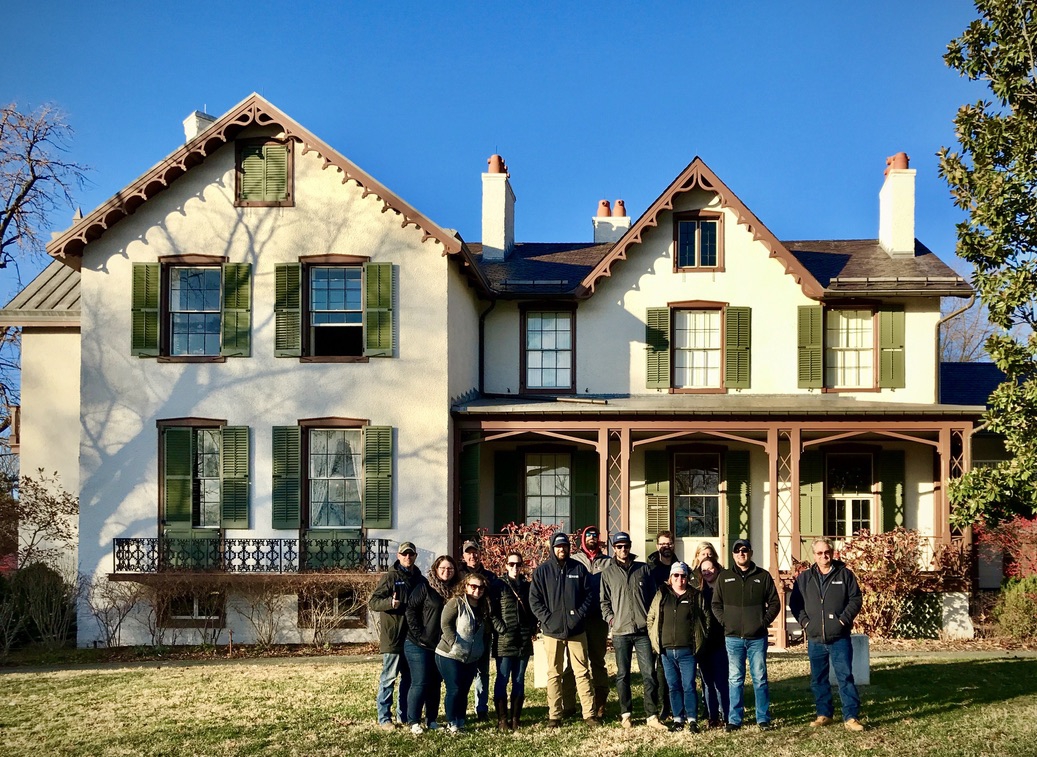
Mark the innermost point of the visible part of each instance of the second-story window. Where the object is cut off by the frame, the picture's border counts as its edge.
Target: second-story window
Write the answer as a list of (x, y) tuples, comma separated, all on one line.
[(696, 349), (194, 311), (336, 311), (850, 349), (853, 347), (698, 241), (548, 350)]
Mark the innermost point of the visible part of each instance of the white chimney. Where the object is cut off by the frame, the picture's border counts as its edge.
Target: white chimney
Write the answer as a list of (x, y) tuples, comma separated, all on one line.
[(196, 123), (897, 208), (610, 223), (498, 211)]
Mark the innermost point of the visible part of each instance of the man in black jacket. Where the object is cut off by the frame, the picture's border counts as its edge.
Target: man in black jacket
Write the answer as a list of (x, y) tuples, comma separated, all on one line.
[(389, 600), (745, 601), (825, 600), (561, 597)]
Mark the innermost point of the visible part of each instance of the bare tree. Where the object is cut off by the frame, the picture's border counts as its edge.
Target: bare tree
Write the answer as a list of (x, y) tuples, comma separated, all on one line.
[(41, 518), (963, 338)]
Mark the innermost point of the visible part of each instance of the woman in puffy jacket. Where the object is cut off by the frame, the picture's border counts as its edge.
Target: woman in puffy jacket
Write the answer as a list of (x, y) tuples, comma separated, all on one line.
[(465, 623), (513, 629), (678, 624), (424, 615)]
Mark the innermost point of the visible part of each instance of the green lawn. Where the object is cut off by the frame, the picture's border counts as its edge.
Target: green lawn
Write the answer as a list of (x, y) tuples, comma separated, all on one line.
[(325, 706)]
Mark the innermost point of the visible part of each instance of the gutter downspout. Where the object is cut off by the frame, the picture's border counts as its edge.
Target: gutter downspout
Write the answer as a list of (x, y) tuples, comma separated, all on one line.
[(939, 323), (482, 345)]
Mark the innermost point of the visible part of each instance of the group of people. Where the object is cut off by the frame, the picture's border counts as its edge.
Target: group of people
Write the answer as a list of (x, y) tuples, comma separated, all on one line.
[(684, 624)]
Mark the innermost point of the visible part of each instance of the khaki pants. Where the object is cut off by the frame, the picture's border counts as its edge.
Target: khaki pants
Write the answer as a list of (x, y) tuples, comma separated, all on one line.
[(597, 631), (555, 650)]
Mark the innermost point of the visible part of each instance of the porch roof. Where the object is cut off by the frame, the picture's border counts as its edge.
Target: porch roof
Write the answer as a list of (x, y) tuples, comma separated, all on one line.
[(715, 405)]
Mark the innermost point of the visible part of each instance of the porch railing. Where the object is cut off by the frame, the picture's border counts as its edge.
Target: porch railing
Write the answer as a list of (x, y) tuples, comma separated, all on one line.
[(159, 555)]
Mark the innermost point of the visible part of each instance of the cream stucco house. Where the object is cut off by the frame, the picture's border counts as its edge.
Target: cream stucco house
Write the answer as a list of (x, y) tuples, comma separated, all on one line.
[(264, 363)]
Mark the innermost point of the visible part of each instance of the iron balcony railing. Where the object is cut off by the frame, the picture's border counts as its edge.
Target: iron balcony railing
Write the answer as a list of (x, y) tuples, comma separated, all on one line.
[(216, 555)]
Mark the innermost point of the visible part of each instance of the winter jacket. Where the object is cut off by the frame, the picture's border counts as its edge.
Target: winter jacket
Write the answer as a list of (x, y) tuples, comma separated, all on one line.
[(745, 603), (464, 632), (826, 605), (424, 613), (715, 636), (660, 570), (594, 563), (463, 570), (626, 596), (560, 597), (665, 607), (392, 623), (513, 623)]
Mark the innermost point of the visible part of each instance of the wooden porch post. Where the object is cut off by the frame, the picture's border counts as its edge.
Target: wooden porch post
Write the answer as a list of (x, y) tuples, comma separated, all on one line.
[(941, 518), (780, 632), (603, 480)]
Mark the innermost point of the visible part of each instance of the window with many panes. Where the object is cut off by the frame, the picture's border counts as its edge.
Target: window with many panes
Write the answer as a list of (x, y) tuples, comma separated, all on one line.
[(849, 349), (696, 349), (850, 501), (336, 311), (699, 241), (335, 466), (548, 488), (696, 487), (191, 307), (548, 350), (698, 346)]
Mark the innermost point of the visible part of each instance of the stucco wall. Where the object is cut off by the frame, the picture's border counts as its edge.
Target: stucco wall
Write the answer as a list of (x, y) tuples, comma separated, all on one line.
[(123, 396), (50, 403)]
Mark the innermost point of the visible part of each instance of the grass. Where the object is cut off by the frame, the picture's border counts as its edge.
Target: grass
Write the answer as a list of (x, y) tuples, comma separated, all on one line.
[(325, 706)]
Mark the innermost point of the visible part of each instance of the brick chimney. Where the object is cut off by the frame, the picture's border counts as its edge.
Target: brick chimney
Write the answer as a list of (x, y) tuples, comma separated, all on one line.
[(498, 211), (610, 223), (897, 208), (196, 123)]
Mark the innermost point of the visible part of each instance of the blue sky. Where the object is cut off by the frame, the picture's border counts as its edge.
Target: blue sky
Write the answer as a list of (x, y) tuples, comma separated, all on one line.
[(795, 105)]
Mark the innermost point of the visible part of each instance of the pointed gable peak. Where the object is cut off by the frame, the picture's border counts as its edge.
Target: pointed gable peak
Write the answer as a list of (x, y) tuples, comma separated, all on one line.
[(698, 176)]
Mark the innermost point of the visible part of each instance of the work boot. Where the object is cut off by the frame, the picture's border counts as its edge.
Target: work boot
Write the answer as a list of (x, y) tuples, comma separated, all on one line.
[(516, 712), (601, 698), (501, 706), (820, 721)]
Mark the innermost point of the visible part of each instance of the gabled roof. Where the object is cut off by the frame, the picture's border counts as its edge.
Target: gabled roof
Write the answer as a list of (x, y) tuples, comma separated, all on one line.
[(252, 111), (699, 176), (860, 267), (51, 299)]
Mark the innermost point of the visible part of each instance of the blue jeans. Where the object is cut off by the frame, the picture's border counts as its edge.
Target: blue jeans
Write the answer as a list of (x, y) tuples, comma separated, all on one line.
[(457, 676), (679, 665), (425, 683), (511, 669), (756, 651), (393, 665), (625, 646), (840, 654), (482, 682), (713, 670)]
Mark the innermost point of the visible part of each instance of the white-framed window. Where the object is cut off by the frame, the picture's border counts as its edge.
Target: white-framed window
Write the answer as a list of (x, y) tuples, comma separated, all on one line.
[(549, 488), (850, 503), (195, 322), (335, 468), (548, 350), (696, 349), (696, 486), (849, 349)]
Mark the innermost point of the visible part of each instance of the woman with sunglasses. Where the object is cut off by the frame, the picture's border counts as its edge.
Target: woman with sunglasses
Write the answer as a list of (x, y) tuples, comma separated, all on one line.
[(712, 658), (678, 625), (513, 629), (464, 623), (424, 630)]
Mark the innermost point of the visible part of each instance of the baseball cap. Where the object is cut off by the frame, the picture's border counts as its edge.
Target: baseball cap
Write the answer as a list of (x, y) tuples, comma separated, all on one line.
[(620, 537), (470, 546), (742, 543), (560, 539), (408, 546)]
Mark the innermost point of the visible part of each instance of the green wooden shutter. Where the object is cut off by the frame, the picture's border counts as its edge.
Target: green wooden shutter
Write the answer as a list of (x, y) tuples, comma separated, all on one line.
[(378, 286), (657, 492), (378, 477), (737, 337), (288, 310), (469, 475), (891, 347), (657, 337), (508, 469), (585, 510), (252, 184), (234, 486), (275, 174), (237, 310), (811, 347), (144, 313), (736, 473), (890, 473), (811, 501), (178, 469), (286, 480)]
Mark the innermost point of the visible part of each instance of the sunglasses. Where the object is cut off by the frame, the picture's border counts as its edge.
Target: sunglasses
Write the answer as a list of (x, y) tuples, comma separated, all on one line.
[(825, 552), (408, 554), (621, 546), (514, 565), (742, 551), (476, 587), (681, 576)]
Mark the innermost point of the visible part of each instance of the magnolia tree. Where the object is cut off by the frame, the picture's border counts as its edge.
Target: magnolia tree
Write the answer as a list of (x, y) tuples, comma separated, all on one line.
[(992, 176)]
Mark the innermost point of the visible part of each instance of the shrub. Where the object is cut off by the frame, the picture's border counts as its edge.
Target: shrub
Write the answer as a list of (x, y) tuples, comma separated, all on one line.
[(48, 602), (1016, 611), (1017, 540), (530, 539)]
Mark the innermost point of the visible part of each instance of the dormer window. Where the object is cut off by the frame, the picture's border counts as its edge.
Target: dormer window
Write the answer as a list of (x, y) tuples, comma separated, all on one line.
[(698, 241)]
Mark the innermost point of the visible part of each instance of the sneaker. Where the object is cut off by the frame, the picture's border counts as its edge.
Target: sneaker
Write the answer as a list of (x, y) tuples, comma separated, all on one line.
[(767, 726), (387, 726), (853, 724), (820, 721), (693, 726), (678, 725), (732, 727), (433, 726), (416, 729), (452, 729), (625, 721), (554, 723), (654, 722)]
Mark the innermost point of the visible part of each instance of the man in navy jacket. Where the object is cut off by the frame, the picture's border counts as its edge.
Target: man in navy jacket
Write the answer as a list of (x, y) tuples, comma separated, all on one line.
[(561, 597), (825, 600)]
